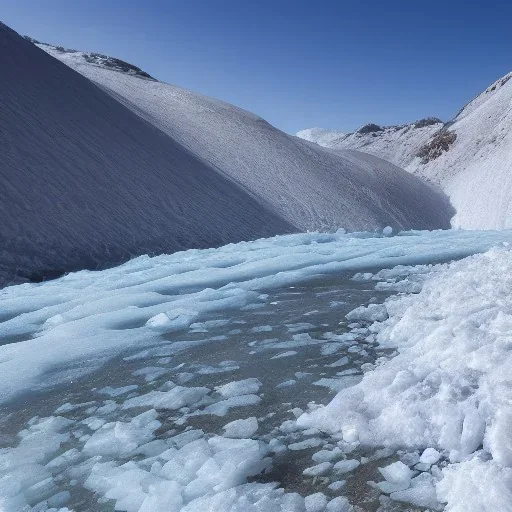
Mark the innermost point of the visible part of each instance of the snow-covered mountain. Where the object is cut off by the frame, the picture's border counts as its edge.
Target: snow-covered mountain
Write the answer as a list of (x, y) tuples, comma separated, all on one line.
[(86, 182), (397, 144), (476, 168), (92, 178), (470, 157), (309, 187)]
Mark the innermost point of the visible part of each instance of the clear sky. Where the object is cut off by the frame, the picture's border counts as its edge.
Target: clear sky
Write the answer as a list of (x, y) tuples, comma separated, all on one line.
[(298, 64)]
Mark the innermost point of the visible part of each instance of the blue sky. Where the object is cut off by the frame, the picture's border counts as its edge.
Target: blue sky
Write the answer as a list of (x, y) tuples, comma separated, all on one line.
[(298, 64)]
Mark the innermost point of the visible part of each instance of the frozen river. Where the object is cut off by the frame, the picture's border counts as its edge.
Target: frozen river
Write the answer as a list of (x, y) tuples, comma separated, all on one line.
[(215, 407), (295, 341)]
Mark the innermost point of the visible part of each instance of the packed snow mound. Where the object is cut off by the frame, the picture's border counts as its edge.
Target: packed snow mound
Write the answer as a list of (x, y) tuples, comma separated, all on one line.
[(448, 391), (309, 187), (56, 331), (86, 182), (320, 136), (469, 157)]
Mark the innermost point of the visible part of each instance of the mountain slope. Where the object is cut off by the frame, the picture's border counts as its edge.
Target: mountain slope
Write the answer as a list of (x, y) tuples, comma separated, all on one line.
[(85, 182), (476, 169), (397, 144), (309, 187), (470, 157)]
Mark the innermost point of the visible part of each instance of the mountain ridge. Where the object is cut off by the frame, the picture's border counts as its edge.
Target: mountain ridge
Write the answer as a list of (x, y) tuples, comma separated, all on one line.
[(88, 184), (468, 156)]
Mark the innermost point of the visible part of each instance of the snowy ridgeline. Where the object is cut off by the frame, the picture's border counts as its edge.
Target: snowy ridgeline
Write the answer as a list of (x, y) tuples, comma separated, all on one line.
[(443, 401), (469, 156)]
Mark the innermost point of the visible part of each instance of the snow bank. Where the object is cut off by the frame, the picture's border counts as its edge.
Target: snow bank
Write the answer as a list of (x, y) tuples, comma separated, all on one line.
[(449, 388), (87, 317)]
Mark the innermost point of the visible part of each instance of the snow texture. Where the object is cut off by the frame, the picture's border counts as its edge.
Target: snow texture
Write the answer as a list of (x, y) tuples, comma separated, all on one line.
[(67, 327), (441, 404), (320, 136), (87, 183), (308, 187), (446, 393)]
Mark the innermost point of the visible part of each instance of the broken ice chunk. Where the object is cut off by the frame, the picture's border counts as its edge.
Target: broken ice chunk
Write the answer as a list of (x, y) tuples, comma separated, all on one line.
[(430, 456), (239, 387), (241, 429), (397, 473), (315, 502), (318, 470), (345, 466)]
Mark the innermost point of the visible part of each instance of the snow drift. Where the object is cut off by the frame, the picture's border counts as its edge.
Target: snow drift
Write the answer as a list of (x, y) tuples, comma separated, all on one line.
[(469, 157), (311, 188), (448, 389)]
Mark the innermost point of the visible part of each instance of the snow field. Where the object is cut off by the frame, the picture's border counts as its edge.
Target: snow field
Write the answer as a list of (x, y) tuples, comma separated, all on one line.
[(89, 184), (308, 187)]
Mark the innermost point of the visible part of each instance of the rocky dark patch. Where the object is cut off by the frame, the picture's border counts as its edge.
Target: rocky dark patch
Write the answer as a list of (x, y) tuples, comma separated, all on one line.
[(370, 128), (427, 121), (440, 143)]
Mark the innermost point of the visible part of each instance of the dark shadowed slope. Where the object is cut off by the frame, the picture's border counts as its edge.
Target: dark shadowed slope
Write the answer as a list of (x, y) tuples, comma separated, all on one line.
[(312, 188), (85, 182)]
